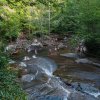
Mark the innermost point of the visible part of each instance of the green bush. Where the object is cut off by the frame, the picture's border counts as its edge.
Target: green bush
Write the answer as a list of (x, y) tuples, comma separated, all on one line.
[(93, 45), (9, 88)]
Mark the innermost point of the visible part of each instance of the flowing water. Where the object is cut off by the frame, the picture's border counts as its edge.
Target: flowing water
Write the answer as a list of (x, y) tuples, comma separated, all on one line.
[(65, 81)]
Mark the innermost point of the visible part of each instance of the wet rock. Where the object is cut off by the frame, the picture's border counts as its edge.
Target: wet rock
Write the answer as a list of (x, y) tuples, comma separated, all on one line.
[(84, 61), (70, 55), (53, 51), (26, 58), (22, 64), (38, 73), (34, 56), (27, 78), (80, 96), (45, 92), (84, 75), (10, 48), (87, 89), (99, 97), (96, 64), (36, 45), (40, 64), (22, 72)]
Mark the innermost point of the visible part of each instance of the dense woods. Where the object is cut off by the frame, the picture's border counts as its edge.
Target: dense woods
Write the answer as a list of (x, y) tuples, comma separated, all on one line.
[(66, 16), (79, 19)]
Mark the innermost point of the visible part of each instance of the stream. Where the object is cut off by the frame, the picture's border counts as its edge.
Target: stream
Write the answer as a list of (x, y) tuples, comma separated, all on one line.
[(58, 78)]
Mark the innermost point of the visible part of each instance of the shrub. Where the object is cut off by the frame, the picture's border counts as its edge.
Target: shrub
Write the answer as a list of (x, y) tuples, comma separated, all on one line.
[(9, 88), (92, 43)]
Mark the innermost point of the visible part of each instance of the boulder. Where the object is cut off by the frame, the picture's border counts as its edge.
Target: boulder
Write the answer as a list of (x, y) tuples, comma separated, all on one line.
[(27, 78), (70, 55), (87, 89), (84, 61), (80, 96)]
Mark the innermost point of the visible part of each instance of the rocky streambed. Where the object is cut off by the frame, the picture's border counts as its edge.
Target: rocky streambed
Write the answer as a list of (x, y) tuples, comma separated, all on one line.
[(55, 73), (58, 78)]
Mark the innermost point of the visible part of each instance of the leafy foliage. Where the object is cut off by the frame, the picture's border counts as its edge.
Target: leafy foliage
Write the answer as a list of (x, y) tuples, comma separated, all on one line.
[(9, 88), (80, 17)]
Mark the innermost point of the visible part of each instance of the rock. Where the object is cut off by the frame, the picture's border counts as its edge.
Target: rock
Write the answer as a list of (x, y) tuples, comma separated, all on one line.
[(36, 45), (24, 72), (96, 64), (87, 88), (27, 78), (61, 45), (80, 96), (40, 64), (84, 61), (70, 55), (10, 48), (34, 56), (22, 64), (26, 58)]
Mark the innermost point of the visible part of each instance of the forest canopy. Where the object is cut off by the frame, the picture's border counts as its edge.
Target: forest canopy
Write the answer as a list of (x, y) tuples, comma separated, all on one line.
[(79, 17)]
